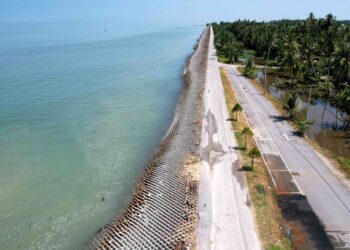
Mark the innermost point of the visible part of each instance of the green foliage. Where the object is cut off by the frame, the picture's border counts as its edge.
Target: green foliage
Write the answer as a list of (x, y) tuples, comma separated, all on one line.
[(246, 131), (236, 108), (344, 163), (343, 98), (227, 45), (275, 248), (261, 190), (254, 153), (290, 55), (302, 125), (312, 51), (250, 69), (223, 59)]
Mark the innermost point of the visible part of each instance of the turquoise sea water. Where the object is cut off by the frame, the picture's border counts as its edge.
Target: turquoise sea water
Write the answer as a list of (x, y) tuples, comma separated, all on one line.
[(81, 111)]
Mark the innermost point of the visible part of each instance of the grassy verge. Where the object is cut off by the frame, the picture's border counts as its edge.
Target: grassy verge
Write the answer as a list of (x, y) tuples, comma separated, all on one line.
[(345, 164), (262, 193), (340, 163)]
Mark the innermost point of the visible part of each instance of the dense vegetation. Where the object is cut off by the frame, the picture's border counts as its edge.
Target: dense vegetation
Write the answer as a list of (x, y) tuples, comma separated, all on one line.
[(311, 51)]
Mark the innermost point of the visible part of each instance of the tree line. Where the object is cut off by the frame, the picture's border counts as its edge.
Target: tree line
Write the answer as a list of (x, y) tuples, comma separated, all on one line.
[(311, 51)]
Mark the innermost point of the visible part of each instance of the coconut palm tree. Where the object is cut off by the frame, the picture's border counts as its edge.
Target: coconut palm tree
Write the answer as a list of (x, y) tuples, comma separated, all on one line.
[(342, 60), (290, 55), (318, 50), (246, 131), (250, 69), (254, 153), (236, 108)]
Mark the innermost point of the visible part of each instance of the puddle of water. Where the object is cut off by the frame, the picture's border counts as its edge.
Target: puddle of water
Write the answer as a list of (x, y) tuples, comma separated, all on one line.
[(322, 114)]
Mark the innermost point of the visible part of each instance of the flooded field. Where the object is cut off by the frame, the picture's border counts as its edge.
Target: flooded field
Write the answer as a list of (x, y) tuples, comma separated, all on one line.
[(328, 127)]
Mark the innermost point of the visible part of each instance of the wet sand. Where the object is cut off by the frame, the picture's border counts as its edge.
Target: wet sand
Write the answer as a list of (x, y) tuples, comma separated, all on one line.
[(163, 210)]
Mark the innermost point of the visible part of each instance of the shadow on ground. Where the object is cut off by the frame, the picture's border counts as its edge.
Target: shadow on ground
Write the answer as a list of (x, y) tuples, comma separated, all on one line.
[(303, 226), (278, 118), (230, 120), (246, 169)]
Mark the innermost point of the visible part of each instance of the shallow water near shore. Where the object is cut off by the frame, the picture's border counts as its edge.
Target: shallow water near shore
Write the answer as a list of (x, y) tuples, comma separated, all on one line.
[(82, 110)]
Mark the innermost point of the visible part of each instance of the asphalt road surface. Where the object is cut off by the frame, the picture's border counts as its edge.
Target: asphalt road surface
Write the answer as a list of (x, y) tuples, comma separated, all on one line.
[(293, 164)]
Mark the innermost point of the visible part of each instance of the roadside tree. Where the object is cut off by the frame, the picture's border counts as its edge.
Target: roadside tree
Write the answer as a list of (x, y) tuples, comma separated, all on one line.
[(235, 109), (254, 153)]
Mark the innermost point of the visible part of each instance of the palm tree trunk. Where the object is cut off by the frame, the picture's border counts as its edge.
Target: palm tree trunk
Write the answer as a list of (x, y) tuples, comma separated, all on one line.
[(252, 162), (323, 111)]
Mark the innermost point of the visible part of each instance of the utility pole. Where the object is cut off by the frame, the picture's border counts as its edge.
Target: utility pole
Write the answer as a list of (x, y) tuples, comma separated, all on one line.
[(265, 81), (308, 103)]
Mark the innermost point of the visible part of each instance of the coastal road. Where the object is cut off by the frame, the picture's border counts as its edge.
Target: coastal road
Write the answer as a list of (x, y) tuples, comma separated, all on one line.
[(306, 172), (226, 220)]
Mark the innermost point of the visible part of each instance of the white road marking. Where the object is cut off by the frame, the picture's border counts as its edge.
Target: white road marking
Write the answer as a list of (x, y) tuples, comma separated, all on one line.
[(285, 136), (256, 114)]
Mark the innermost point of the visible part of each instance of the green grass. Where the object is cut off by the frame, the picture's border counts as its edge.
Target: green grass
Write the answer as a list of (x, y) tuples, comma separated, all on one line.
[(248, 53), (345, 165), (274, 248), (223, 59)]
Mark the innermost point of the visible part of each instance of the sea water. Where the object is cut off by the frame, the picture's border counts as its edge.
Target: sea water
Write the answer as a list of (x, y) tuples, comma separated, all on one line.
[(82, 108)]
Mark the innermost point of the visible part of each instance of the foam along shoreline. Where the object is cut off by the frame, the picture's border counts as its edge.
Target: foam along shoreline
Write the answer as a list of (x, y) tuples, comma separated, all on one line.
[(226, 221), (163, 210)]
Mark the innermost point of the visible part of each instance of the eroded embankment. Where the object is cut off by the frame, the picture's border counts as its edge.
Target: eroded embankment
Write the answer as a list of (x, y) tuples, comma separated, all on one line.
[(163, 211)]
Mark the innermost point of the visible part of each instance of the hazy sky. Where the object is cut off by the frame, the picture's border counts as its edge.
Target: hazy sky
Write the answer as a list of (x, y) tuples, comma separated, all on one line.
[(166, 11)]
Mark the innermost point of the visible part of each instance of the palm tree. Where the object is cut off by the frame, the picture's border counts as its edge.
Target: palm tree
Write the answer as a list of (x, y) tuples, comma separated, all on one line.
[(246, 131), (236, 108), (318, 50), (290, 56), (250, 70), (342, 60), (254, 153), (237, 50), (310, 69), (328, 38), (291, 105)]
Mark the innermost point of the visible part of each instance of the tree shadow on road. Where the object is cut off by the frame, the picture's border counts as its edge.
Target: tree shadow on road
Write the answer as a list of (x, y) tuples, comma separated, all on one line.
[(278, 118)]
